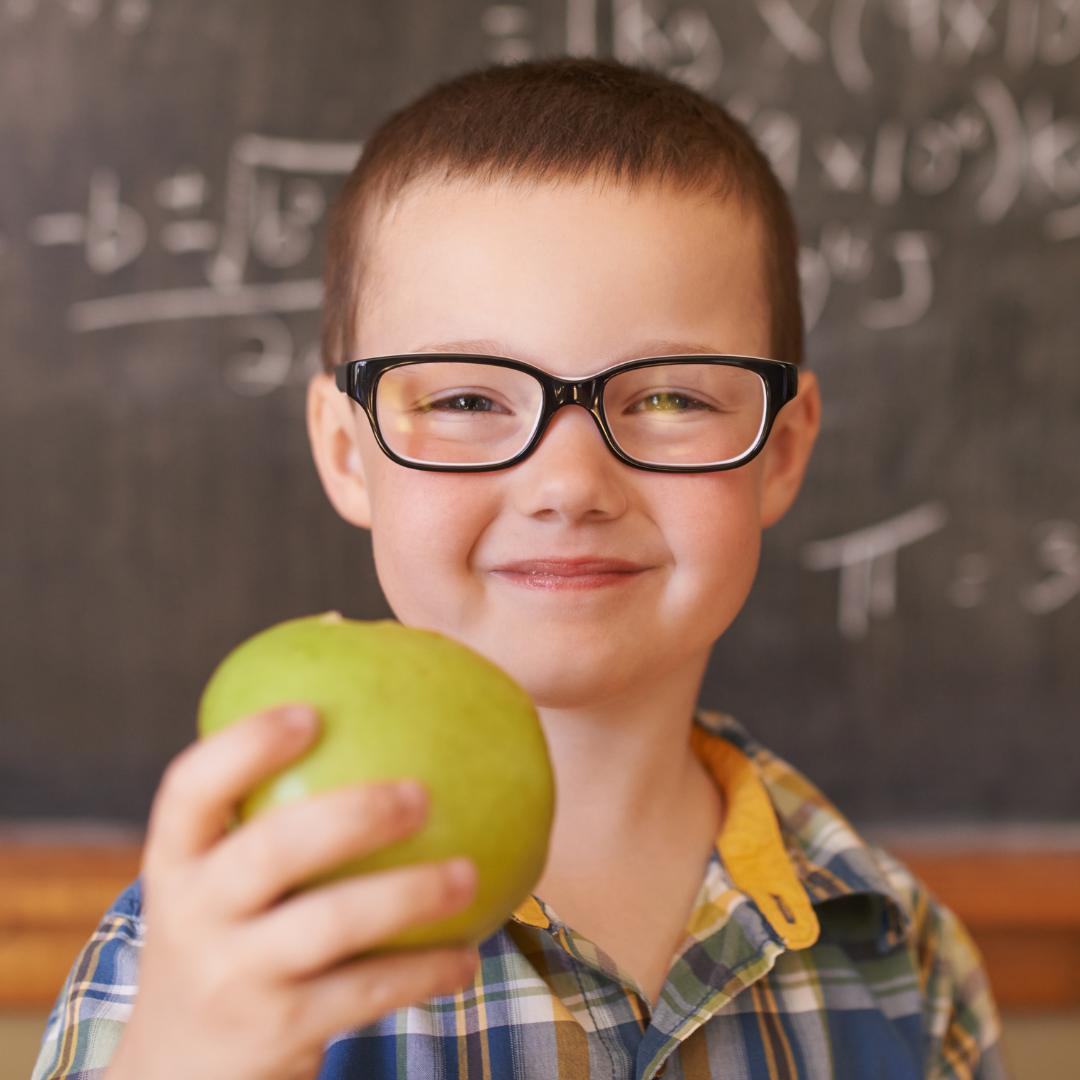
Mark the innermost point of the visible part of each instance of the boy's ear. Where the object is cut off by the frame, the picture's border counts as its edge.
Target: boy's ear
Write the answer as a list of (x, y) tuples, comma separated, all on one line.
[(335, 446), (787, 453)]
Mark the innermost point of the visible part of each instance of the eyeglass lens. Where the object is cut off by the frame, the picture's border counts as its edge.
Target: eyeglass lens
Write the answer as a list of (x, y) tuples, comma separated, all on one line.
[(467, 413)]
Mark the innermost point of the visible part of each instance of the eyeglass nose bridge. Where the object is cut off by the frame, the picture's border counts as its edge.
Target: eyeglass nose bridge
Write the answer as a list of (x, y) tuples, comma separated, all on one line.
[(583, 392), (570, 392)]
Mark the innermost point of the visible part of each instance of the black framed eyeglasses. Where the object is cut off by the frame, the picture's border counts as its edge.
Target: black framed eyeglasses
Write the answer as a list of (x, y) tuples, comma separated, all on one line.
[(465, 412)]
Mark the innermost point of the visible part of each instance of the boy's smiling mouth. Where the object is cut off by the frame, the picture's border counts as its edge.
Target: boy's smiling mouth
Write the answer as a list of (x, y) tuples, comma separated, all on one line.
[(588, 572)]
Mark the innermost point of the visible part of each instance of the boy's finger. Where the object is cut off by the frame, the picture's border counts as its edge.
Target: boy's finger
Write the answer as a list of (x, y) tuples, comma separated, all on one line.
[(282, 848), (363, 991), (204, 783), (323, 927)]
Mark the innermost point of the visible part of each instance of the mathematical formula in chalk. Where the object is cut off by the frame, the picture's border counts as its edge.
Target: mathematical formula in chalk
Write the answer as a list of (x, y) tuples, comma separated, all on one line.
[(694, 40), (868, 579), (1003, 151)]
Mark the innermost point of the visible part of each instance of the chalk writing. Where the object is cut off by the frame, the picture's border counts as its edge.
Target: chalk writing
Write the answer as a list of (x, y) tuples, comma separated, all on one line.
[(267, 357), (845, 254), (1059, 554), (1027, 33), (111, 234), (1057, 548), (509, 28), (187, 191), (272, 207), (125, 15), (685, 43), (170, 305), (1003, 145), (581, 27), (866, 559), (1008, 151)]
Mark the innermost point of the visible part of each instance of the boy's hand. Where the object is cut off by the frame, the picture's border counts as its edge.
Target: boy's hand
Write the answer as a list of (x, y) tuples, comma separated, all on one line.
[(237, 983)]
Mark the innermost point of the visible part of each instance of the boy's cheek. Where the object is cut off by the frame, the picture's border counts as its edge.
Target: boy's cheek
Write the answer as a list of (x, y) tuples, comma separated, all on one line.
[(420, 561), (713, 509), (423, 495)]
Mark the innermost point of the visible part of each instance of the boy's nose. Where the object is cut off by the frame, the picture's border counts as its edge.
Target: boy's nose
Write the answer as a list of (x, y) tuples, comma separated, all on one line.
[(571, 471)]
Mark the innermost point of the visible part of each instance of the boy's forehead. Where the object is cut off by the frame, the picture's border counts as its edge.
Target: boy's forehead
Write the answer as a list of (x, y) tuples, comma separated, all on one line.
[(502, 270), (430, 206)]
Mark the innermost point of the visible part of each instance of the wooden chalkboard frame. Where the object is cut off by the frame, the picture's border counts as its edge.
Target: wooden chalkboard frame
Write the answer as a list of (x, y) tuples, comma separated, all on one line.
[(1022, 907)]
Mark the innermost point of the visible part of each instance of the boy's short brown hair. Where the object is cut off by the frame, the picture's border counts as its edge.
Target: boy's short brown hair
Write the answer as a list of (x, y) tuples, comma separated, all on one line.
[(565, 118)]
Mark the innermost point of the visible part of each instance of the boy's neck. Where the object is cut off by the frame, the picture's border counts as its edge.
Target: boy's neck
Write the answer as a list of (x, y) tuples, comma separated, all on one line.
[(627, 779)]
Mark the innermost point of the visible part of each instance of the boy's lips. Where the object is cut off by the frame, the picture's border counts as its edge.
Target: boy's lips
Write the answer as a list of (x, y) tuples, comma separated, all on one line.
[(579, 567), (589, 572)]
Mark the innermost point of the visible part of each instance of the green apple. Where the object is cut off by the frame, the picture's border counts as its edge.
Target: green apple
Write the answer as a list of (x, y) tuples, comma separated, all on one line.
[(399, 702)]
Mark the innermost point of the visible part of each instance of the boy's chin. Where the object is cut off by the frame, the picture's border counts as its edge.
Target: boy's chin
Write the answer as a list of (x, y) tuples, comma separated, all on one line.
[(555, 680)]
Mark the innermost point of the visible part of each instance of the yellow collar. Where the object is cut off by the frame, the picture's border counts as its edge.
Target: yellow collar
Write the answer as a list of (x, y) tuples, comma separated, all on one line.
[(750, 843)]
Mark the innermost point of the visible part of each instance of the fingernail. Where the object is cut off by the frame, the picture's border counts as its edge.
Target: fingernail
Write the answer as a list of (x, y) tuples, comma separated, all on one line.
[(462, 873), (412, 795), (298, 719)]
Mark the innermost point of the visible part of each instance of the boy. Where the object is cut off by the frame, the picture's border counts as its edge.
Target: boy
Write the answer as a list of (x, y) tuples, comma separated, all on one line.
[(704, 911)]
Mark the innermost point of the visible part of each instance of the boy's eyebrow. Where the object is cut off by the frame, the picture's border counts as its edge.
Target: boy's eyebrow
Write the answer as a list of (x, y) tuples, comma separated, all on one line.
[(654, 347)]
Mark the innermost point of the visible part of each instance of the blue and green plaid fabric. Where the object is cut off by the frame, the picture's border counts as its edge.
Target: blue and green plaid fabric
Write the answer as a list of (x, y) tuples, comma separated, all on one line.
[(809, 953)]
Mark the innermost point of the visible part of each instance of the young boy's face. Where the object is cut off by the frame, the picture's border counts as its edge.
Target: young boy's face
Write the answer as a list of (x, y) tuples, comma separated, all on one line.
[(570, 278)]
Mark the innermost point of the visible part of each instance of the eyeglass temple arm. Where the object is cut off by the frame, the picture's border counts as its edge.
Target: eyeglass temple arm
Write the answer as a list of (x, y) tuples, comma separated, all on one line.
[(349, 377)]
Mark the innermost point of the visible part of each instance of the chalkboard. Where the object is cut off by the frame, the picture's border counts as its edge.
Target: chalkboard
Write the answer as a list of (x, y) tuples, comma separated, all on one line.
[(913, 639)]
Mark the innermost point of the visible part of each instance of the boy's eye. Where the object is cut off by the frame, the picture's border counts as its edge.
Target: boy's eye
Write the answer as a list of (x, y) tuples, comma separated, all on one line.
[(461, 402), (668, 401)]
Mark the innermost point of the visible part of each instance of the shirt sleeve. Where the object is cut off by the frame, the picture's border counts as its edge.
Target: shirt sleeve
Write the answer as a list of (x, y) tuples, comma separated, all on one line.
[(963, 1025), (88, 1017)]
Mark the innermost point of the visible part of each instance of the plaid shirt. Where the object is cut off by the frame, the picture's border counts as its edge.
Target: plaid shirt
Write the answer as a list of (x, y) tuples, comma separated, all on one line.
[(809, 953)]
